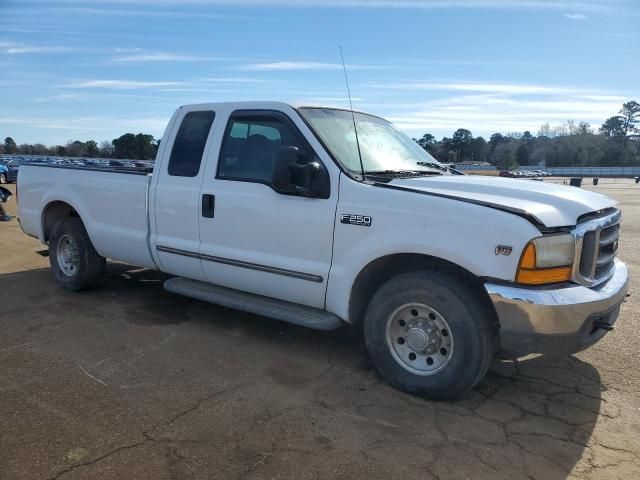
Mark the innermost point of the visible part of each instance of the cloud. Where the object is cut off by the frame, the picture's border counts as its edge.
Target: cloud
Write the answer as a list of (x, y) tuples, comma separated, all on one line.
[(13, 48), (575, 16), (276, 66), (82, 126), (567, 5), (496, 88), (121, 84), (61, 97), (336, 99), (235, 80), (487, 113), (304, 65), (153, 13), (162, 57)]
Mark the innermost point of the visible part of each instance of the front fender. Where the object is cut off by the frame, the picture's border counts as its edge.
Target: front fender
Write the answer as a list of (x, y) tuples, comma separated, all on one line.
[(403, 223)]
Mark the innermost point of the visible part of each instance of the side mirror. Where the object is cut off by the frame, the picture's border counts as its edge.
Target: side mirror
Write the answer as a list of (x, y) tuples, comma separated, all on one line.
[(281, 172), (290, 174)]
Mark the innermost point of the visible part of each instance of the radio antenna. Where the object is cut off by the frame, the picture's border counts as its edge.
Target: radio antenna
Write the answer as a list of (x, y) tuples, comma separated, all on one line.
[(353, 115)]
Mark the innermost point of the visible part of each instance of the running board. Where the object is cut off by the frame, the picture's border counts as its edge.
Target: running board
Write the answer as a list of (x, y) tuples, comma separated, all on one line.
[(249, 302)]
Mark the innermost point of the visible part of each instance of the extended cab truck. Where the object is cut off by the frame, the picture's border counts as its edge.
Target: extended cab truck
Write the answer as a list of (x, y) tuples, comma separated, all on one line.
[(264, 207)]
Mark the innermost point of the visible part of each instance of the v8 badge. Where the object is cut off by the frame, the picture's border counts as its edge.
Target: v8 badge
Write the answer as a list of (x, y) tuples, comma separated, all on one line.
[(503, 250)]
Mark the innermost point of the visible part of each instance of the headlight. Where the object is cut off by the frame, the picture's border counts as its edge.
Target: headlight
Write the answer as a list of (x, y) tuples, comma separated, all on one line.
[(547, 259)]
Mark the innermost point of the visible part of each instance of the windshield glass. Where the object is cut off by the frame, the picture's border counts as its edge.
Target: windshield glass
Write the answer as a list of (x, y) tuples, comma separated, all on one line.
[(383, 147)]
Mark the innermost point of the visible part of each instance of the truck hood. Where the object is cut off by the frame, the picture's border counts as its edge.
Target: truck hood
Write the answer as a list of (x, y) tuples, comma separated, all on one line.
[(548, 205)]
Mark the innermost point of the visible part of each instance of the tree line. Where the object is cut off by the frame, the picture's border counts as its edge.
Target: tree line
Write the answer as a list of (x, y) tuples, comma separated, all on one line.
[(130, 146), (615, 143)]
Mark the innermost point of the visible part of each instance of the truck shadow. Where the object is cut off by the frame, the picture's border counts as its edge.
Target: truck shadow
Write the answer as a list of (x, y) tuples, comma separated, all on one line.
[(534, 415)]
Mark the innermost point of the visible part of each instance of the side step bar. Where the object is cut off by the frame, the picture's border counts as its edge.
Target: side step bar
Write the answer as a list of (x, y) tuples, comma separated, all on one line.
[(249, 302)]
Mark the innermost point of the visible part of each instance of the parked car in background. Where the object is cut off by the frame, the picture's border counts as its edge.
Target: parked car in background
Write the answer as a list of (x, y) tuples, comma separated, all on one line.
[(4, 171), (525, 173), (12, 168)]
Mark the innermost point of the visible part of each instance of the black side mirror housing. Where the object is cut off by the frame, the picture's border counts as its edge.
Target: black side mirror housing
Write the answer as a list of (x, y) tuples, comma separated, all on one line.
[(292, 174), (286, 159)]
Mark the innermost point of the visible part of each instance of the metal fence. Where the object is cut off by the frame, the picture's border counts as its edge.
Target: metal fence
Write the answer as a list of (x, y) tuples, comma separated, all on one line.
[(603, 172), (594, 171)]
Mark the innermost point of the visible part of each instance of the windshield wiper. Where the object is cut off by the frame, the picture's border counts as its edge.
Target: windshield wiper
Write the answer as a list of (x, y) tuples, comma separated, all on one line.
[(402, 173), (433, 165)]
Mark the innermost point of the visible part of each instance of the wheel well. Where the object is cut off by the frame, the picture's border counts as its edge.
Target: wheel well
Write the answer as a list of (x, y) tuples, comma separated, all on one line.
[(376, 273), (54, 212)]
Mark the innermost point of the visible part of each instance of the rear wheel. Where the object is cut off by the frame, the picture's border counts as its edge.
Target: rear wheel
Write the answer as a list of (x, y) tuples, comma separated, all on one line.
[(429, 333), (75, 263)]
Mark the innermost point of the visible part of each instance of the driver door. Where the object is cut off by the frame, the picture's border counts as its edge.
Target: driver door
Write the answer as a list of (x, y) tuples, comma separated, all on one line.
[(255, 239)]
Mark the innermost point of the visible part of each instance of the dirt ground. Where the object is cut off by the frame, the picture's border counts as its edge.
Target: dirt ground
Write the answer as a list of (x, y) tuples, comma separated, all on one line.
[(132, 382)]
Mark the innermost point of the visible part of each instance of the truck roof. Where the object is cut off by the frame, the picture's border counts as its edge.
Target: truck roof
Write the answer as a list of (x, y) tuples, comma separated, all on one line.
[(267, 105)]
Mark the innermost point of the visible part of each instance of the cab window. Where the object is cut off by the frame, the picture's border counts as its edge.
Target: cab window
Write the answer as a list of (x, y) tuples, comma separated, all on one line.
[(188, 146)]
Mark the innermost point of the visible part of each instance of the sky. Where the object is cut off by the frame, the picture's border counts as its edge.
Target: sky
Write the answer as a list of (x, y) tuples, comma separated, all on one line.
[(96, 69)]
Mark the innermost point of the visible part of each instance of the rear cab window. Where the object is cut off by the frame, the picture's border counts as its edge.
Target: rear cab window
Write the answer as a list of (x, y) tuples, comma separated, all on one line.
[(188, 146)]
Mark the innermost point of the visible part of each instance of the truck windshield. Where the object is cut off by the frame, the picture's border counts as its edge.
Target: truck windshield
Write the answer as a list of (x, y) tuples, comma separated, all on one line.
[(384, 148)]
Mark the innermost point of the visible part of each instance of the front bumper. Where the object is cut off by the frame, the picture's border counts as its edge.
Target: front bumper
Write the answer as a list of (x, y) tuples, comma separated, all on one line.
[(557, 320)]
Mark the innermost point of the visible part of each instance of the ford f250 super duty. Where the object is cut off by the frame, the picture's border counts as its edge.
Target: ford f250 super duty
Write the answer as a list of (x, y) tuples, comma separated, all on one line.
[(325, 218)]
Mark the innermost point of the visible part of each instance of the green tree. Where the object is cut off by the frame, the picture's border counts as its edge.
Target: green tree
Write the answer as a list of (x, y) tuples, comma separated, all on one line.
[(137, 147), (91, 149), (479, 149), (613, 127), (10, 145), (522, 154), (495, 140), (503, 157), (584, 129), (75, 148), (527, 138), (124, 146), (630, 117), (146, 146), (427, 141), (461, 143), (106, 149)]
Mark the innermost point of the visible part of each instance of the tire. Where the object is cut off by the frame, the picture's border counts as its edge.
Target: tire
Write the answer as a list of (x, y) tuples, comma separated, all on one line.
[(3, 178), (412, 310), (79, 267)]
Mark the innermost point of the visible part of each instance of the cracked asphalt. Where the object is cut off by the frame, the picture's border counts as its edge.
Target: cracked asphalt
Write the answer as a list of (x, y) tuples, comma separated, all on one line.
[(130, 381)]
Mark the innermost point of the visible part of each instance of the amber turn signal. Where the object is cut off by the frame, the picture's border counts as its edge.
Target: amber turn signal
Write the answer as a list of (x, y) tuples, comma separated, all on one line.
[(543, 275)]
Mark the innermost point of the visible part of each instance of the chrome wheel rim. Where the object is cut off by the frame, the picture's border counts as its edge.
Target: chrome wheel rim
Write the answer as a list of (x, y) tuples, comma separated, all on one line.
[(419, 339), (68, 255)]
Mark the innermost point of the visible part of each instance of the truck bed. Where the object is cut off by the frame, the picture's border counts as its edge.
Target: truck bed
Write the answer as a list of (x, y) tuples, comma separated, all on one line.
[(111, 200)]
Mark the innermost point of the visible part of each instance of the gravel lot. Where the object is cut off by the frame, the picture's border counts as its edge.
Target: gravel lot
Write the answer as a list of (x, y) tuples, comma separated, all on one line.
[(130, 381)]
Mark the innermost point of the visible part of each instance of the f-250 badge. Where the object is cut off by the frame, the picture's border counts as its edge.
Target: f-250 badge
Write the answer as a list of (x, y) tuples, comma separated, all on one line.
[(503, 250), (350, 219)]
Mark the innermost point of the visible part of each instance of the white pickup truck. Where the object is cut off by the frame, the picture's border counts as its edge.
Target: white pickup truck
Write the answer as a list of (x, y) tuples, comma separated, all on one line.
[(294, 214)]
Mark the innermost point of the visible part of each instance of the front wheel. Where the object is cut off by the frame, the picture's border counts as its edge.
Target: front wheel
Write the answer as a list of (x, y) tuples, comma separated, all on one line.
[(3, 178), (75, 263), (429, 334)]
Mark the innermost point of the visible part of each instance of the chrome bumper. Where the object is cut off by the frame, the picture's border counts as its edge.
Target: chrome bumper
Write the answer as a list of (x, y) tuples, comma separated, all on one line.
[(557, 320)]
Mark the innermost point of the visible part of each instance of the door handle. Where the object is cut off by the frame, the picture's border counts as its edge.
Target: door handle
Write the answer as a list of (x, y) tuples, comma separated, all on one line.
[(208, 205)]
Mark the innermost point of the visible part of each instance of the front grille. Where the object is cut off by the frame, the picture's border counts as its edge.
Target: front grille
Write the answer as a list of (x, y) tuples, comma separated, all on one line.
[(598, 248)]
